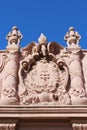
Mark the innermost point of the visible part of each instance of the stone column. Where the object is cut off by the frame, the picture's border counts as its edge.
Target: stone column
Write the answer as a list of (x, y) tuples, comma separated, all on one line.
[(9, 94), (77, 91), (84, 66)]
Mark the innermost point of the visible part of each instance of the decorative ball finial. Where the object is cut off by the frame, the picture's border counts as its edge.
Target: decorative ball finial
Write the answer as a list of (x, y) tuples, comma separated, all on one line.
[(72, 37), (42, 39)]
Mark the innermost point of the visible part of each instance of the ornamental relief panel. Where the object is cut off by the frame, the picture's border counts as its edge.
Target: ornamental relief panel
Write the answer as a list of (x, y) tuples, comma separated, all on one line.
[(45, 83)]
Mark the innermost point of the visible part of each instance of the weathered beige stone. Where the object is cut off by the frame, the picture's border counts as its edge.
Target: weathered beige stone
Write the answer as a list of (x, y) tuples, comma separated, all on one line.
[(44, 85), (43, 73)]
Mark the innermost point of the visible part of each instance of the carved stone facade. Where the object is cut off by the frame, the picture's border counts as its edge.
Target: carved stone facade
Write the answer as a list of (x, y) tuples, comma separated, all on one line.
[(43, 76), (43, 73)]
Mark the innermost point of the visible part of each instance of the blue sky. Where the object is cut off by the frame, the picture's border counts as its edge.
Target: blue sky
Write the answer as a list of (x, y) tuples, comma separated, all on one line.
[(51, 17)]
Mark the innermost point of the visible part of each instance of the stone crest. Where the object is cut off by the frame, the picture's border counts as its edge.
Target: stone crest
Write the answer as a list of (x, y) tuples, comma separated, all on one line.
[(44, 76)]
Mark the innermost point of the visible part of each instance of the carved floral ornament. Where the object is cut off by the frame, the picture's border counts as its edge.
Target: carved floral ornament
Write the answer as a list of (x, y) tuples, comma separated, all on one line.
[(42, 73)]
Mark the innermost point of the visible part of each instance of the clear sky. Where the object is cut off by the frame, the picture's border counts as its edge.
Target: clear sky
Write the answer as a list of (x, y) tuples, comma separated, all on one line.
[(51, 17)]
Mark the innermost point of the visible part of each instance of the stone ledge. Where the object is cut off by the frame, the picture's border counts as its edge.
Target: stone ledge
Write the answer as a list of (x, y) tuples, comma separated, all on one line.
[(31, 112)]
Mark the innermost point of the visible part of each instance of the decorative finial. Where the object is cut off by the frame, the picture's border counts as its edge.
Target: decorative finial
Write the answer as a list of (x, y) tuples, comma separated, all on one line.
[(13, 39), (72, 37), (14, 36), (42, 39)]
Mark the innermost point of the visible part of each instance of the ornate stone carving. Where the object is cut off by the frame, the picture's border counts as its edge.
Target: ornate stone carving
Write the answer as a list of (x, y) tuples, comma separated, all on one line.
[(13, 39), (43, 73), (43, 81), (79, 126), (7, 126), (77, 90), (10, 80), (9, 94), (42, 39), (72, 37)]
